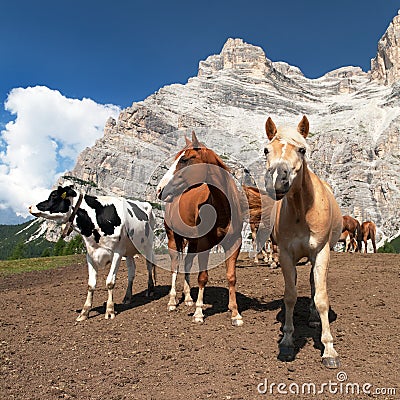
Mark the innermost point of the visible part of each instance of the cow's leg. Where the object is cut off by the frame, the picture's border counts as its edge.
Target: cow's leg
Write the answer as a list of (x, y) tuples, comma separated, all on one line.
[(286, 346), (330, 357), (150, 281), (198, 316), (186, 284), (174, 270), (131, 266), (110, 283), (92, 270)]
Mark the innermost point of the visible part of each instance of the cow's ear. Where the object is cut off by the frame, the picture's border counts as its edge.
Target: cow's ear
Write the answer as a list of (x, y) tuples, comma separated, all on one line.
[(70, 192)]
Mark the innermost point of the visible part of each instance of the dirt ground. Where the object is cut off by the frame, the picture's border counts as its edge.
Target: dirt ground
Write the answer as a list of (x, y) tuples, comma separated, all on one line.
[(149, 353)]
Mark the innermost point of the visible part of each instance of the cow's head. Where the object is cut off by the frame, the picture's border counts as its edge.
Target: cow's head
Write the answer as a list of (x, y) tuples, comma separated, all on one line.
[(57, 207)]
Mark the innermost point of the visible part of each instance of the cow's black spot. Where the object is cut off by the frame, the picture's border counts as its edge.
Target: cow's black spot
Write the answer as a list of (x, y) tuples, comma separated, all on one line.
[(147, 230), (130, 212), (142, 240), (96, 235), (84, 223), (140, 214), (106, 216)]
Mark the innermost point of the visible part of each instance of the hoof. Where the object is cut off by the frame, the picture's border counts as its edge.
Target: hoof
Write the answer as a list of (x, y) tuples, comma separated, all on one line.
[(109, 315), (171, 307), (331, 362), (286, 354), (237, 321), (82, 317), (150, 293), (198, 320)]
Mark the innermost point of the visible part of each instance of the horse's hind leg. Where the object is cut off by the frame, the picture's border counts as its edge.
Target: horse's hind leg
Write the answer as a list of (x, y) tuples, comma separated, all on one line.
[(186, 284), (198, 316), (230, 262), (373, 241), (330, 357), (313, 321)]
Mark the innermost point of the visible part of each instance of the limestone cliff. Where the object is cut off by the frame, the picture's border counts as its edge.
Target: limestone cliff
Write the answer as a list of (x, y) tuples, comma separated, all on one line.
[(354, 127)]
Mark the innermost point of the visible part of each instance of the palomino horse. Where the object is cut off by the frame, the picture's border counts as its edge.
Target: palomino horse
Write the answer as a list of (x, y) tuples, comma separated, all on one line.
[(308, 224), (368, 231), (198, 183), (352, 226), (269, 250)]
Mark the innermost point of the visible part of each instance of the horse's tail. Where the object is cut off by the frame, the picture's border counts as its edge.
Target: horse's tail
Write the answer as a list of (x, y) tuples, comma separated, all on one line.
[(359, 235)]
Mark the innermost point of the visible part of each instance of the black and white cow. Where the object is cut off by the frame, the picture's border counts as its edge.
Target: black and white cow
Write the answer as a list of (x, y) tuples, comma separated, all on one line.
[(112, 227)]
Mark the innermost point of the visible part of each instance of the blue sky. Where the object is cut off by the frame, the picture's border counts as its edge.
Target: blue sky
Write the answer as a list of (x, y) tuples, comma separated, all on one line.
[(115, 53)]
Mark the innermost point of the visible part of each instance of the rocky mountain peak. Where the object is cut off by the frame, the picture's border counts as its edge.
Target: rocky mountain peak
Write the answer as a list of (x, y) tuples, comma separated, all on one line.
[(385, 67), (237, 55)]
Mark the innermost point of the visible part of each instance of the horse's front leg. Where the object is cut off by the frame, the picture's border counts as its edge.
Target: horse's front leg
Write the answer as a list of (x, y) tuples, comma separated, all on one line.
[(110, 283), (330, 357), (286, 346), (174, 272), (198, 316), (92, 270)]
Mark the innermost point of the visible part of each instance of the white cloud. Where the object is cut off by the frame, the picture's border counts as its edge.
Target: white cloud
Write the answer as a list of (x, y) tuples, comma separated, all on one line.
[(48, 126)]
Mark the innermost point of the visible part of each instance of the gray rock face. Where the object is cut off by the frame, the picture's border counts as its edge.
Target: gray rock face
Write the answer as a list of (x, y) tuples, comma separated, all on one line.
[(385, 67), (354, 128)]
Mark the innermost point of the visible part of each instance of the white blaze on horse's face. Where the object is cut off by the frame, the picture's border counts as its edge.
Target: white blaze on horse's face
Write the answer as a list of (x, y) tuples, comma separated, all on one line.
[(284, 156), (166, 179)]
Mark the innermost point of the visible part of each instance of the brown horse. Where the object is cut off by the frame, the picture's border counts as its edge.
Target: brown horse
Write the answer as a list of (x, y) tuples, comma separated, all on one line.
[(308, 223), (269, 250), (350, 244), (204, 209), (352, 226), (368, 231)]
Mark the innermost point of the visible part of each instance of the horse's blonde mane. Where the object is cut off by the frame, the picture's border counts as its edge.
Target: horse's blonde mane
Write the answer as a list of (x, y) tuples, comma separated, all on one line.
[(290, 135)]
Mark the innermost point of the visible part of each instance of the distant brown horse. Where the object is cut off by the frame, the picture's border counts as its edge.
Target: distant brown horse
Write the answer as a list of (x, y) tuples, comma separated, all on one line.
[(269, 250), (350, 244), (308, 223), (368, 231), (352, 226), (203, 207)]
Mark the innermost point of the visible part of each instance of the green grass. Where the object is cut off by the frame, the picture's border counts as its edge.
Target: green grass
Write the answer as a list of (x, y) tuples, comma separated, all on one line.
[(39, 264)]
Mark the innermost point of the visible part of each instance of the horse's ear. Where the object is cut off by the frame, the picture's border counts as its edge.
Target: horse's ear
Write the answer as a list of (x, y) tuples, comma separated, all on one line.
[(303, 127), (270, 128), (195, 141), (187, 140)]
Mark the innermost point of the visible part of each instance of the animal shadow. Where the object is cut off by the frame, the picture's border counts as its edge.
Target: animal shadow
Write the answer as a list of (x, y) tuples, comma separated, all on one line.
[(139, 299), (217, 299), (302, 330)]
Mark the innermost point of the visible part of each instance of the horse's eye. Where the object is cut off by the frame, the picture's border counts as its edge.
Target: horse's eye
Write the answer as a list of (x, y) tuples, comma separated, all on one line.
[(302, 150), (266, 151), (183, 160)]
